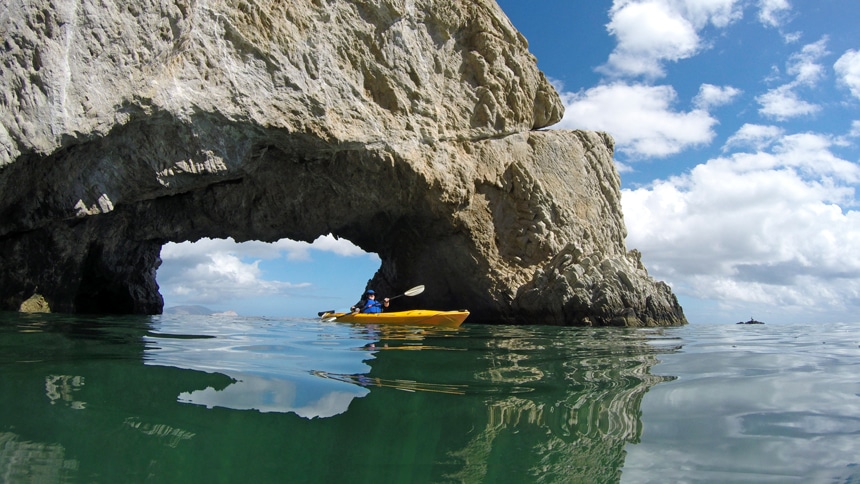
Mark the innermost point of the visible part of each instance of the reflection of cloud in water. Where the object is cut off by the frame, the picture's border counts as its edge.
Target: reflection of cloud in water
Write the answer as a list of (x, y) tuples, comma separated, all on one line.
[(270, 363), (265, 394), (778, 403)]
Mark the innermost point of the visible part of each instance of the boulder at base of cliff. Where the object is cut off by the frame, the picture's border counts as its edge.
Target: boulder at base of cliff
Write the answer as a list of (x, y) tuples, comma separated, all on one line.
[(35, 304)]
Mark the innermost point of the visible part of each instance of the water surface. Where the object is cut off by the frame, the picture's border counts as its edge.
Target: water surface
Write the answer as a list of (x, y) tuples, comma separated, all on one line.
[(232, 399), (754, 403)]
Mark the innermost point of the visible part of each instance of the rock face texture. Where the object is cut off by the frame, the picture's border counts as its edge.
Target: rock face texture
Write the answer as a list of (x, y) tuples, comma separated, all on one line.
[(406, 126)]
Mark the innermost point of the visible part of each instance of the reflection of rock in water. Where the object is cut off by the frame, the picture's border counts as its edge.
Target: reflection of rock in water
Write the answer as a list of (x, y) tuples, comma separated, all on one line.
[(61, 388), (171, 436), (33, 461), (574, 425)]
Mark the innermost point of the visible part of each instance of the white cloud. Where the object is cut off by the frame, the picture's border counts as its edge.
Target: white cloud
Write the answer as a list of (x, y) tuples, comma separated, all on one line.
[(651, 32), (216, 277), (805, 66), (291, 249), (342, 247), (847, 68), (647, 34), (623, 167), (753, 136), (719, 13), (784, 102), (211, 271), (764, 227), (811, 154), (773, 13), (639, 117), (714, 96), (855, 129)]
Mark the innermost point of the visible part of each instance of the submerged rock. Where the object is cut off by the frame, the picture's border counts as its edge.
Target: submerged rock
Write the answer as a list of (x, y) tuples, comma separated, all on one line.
[(405, 126)]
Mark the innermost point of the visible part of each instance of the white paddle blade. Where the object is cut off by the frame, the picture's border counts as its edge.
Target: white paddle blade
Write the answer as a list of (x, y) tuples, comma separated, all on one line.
[(330, 316), (414, 291)]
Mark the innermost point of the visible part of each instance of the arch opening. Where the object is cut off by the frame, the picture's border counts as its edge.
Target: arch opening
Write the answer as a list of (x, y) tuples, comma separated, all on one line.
[(285, 278)]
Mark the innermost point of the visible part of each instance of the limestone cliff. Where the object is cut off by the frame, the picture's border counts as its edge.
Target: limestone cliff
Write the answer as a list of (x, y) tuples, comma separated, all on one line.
[(406, 126)]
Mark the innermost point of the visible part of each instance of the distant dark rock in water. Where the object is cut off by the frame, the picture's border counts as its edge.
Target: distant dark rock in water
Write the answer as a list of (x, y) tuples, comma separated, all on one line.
[(751, 321)]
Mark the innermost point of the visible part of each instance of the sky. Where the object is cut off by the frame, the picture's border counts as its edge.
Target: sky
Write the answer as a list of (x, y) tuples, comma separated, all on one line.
[(737, 131)]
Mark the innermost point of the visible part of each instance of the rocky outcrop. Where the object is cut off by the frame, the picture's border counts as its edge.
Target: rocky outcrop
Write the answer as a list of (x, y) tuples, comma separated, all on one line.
[(35, 304), (751, 321), (406, 126)]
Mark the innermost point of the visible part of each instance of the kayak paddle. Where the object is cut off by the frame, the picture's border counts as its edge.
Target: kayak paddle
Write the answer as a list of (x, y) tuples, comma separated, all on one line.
[(411, 292)]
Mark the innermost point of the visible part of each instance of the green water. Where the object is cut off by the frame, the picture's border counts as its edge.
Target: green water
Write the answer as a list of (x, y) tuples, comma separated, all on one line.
[(219, 399)]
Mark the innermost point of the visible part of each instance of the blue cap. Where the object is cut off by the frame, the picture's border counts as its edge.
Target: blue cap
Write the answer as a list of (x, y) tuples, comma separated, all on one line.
[(370, 291)]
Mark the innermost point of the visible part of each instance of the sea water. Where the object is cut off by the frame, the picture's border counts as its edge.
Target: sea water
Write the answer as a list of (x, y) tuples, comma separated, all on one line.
[(232, 399)]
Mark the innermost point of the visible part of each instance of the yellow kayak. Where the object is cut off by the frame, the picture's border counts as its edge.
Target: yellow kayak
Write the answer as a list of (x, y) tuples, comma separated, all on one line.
[(418, 317)]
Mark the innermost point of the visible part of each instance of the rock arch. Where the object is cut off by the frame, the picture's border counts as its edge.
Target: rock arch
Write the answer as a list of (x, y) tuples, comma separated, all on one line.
[(405, 127)]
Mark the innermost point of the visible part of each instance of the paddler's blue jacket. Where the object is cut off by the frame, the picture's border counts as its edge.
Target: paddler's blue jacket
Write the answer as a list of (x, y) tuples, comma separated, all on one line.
[(371, 306)]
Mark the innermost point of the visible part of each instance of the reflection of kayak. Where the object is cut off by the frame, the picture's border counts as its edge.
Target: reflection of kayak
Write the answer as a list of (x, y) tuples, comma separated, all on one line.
[(406, 385), (422, 317)]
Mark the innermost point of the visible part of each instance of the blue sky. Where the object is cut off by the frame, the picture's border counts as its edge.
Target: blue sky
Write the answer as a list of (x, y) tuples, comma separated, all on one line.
[(737, 129)]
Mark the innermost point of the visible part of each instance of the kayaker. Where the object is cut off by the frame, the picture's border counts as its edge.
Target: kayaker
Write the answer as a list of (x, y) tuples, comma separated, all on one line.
[(369, 304)]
